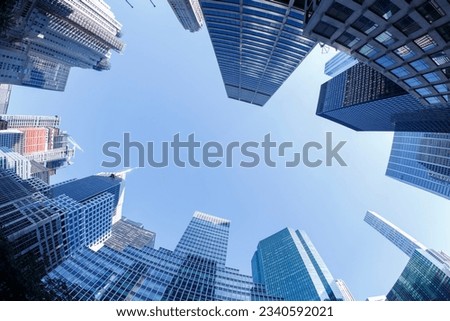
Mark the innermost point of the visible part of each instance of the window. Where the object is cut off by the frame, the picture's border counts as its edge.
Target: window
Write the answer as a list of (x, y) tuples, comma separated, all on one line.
[(419, 65), (404, 52), (446, 72), (407, 25), (348, 40), (368, 51), (423, 91), (339, 12), (430, 11), (425, 42), (431, 77), (442, 88), (385, 38), (400, 72), (385, 61), (384, 8), (325, 29), (440, 58), (444, 31), (412, 82), (433, 100), (365, 25)]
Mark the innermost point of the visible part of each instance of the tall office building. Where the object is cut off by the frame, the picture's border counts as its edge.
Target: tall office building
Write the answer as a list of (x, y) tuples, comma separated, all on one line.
[(194, 271), (363, 99), (258, 44), (422, 160), (40, 140), (339, 63), (5, 92), (426, 277), (16, 162), (48, 37), (189, 13), (406, 41), (288, 264), (52, 227), (405, 242)]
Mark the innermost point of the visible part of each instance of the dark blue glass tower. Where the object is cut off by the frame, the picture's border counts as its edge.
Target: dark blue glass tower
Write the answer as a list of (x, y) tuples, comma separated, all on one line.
[(422, 160), (363, 99), (288, 264), (258, 44)]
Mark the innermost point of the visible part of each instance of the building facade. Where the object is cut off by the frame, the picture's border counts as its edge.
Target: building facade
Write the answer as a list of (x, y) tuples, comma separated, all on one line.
[(406, 41), (40, 140), (405, 242), (48, 37), (339, 63), (258, 44), (194, 271), (363, 99), (5, 93), (288, 264), (52, 227), (426, 277), (189, 13), (421, 160)]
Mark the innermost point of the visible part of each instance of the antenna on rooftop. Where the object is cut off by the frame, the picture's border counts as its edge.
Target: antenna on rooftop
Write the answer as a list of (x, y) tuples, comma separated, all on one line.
[(154, 6), (325, 48)]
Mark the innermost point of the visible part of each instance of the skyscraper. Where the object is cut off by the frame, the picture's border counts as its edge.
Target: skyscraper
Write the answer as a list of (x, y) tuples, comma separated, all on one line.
[(5, 92), (40, 140), (363, 99), (48, 37), (406, 243), (258, 44), (339, 63), (288, 264), (422, 160), (426, 277), (407, 41), (195, 271), (52, 227), (189, 13)]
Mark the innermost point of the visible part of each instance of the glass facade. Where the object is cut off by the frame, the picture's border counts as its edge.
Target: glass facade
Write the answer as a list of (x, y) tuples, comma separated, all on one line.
[(399, 43), (363, 99), (406, 243), (258, 44), (426, 277), (290, 267), (51, 36), (53, 227), (421, 160), (194, 271)]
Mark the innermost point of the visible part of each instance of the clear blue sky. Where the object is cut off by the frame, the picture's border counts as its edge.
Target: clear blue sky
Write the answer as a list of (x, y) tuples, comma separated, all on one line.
[(167, 82)]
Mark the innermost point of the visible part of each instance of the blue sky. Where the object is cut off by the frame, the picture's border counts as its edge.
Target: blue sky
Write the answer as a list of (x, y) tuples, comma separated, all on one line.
[(167, 82)]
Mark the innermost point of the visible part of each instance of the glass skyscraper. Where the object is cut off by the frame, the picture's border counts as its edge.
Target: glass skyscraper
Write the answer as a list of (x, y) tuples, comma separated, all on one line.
[(405, 242), (258, 44), (363, 99), (426, 277), (5, 92), (188, 13), (339, 63), (405, 40), (421, 160), (194, 271), (48, 37), (52, 226), (290, 267)]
